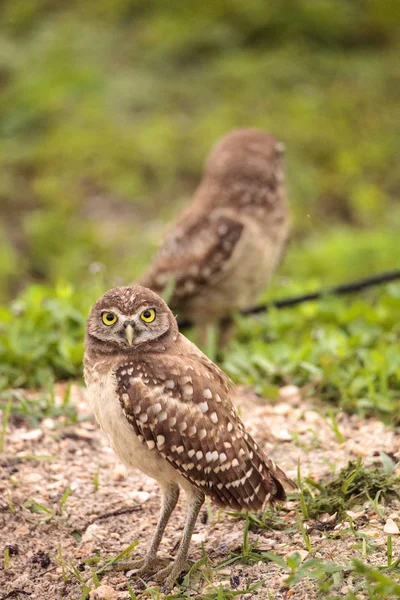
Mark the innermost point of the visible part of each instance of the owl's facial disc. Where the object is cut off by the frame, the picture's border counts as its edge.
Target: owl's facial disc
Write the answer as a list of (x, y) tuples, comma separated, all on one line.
[(131, 317), (131, 328)]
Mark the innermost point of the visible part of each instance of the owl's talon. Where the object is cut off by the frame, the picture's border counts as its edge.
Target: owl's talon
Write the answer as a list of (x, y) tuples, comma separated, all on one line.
[(125, 566), (168, 576), (142, 566)]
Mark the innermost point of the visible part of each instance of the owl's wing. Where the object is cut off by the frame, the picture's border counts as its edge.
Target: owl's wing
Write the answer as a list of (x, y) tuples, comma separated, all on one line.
[(193, 254), (187, 417)]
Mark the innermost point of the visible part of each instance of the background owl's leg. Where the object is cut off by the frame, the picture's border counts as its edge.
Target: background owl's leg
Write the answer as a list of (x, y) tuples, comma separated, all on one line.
[(180, 563), (148, 563), (207, 336), (226, 332)]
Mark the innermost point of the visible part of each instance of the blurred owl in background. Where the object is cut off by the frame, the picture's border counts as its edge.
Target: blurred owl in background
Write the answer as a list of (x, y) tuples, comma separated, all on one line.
[(224, 247)]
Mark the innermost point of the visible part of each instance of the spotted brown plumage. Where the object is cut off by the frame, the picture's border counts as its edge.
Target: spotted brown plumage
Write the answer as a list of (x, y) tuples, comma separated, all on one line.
[(190, 420), (167, 410), (222, 250)]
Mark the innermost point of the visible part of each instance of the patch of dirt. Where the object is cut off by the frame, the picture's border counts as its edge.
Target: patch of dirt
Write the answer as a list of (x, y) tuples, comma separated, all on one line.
[(108, 509)]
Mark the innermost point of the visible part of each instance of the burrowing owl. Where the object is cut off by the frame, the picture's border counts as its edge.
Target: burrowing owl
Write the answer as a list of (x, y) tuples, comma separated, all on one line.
[(224, 247), (167, 410)]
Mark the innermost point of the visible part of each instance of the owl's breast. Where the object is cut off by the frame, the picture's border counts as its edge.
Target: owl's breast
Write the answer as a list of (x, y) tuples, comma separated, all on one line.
[(105, 404)]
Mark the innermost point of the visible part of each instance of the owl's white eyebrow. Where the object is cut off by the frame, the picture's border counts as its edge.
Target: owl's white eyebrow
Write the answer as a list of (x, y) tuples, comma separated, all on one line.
[(130, 316), (145, 307), (113, 310)]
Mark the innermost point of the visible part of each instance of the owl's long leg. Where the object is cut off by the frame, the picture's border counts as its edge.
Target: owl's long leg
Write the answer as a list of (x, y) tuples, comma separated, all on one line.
[(148, 564), (169, 499), (172, 572)]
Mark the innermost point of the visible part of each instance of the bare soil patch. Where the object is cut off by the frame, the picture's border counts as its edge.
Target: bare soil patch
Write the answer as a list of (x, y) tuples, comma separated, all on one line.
[(108, 509)]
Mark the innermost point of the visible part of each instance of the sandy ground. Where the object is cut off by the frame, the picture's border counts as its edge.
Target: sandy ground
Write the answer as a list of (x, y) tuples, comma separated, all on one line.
[(79, 456)]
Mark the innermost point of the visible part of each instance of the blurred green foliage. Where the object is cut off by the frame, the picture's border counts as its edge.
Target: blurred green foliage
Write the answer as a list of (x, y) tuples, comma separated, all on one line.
[(345, 353), (108, 109), (343, 350), (41, 337)]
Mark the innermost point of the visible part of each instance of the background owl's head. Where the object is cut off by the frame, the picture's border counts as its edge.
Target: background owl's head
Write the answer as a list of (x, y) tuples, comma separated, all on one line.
[(126, 318), (245, 153)]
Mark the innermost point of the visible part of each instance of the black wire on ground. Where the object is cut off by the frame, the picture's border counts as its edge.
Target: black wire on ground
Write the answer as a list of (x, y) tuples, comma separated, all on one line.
[(338, 290)]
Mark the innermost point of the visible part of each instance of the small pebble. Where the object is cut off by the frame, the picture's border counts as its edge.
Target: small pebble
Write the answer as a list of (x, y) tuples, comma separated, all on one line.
[(140, 497), (282, 409), (119, 472), (20, 531), (282, 435), (199, 537), (33, 435), (359, 450), (391, 527), (290, 392), (356, 515), (103, 592), (93, 532), (310, 416), (33, 477)]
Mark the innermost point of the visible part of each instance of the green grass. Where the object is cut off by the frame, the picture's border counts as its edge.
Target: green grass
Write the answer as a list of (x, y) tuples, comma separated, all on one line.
[(41, 336), (34, 408), (353, 485), (344, 350)]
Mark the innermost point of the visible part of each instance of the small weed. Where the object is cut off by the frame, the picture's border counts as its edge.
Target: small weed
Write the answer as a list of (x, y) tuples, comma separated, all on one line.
[(388, 465), (38, 508), (132, 594), (34, 409), (4, 423), (64, 499), (269, 519), (353, 485), (96, 482), (10, 501), (220, 593), (124, 554), (95, 578), (335, 427), (378, 584), (303, 503), (304, 532)]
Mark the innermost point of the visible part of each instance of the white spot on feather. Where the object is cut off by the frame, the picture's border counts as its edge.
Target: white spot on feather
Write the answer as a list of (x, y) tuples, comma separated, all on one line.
[(203, 407), (214, 417)]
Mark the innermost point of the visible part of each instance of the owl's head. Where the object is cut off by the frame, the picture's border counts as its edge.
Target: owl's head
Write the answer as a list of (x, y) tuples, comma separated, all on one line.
[(130, 318), (245, 153)]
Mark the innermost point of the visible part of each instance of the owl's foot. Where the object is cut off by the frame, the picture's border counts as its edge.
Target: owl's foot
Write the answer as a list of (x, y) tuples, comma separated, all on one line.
[(170, 574), (143, 566)]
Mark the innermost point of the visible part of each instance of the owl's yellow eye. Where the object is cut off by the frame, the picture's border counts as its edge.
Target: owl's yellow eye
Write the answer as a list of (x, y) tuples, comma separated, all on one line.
[(148, 315), (109, 318)]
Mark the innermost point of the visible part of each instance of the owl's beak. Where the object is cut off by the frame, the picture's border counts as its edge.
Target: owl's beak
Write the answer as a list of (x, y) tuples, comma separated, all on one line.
[(130, 334)]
